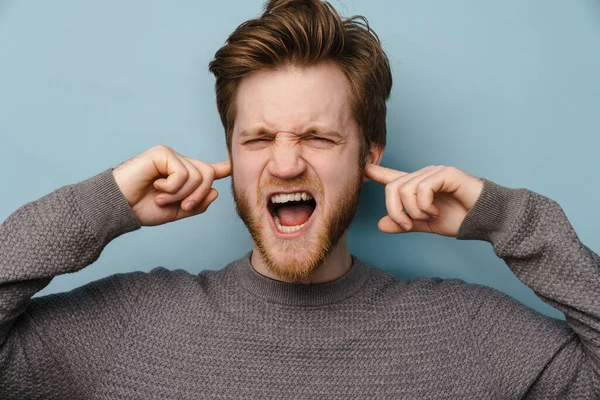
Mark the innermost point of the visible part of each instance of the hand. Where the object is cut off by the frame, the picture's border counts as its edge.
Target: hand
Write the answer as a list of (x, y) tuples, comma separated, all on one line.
[(436, 198), (163, 186)]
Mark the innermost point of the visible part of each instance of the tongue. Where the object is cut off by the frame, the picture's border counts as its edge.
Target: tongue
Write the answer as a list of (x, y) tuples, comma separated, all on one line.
[(294, 214)]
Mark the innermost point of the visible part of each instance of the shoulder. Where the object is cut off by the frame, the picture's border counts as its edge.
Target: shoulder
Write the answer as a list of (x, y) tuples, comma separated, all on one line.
[(477, 307), (455, 295), (388, 286), (139, 286)]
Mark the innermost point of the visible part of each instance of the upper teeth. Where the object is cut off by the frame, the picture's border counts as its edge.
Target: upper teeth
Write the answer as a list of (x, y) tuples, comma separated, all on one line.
[(284, 198)]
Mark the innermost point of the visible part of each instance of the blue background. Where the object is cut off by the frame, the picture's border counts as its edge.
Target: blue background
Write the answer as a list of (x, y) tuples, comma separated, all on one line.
[(507, 90)]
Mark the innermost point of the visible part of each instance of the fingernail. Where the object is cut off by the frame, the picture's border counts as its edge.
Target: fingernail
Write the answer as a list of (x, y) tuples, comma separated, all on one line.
[(189, 205), (406, 227)]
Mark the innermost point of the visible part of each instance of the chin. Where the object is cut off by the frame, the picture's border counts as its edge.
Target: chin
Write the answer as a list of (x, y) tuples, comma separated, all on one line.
[(293, 259)]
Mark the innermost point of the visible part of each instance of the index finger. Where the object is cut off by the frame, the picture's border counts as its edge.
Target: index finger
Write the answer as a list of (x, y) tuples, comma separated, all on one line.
[(222, 169), (381, 174)]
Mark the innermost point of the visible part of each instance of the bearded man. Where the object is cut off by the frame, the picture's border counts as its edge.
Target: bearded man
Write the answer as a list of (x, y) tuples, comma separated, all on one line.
[(302, 96)]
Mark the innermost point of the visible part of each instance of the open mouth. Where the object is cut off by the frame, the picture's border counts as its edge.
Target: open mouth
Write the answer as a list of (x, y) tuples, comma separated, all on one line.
[(291, 211)]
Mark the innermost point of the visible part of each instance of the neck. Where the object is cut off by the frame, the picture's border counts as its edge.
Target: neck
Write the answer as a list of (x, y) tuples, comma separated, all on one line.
[(336, 265)]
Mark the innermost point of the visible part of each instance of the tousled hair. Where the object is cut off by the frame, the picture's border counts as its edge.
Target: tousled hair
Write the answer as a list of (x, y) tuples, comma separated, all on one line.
[(305, 33)]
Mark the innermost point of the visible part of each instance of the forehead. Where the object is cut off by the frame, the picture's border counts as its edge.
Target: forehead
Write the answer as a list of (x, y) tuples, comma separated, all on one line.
[(293, 99)]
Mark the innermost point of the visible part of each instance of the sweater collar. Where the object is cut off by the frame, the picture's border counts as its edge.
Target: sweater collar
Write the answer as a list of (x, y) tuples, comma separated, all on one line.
[(293, 294)]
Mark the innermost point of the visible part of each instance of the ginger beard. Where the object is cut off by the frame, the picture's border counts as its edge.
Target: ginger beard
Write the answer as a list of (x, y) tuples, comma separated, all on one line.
[(297, 258)]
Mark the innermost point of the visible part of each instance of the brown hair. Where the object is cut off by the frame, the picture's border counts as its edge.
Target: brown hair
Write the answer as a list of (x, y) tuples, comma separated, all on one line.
[(303, 33)]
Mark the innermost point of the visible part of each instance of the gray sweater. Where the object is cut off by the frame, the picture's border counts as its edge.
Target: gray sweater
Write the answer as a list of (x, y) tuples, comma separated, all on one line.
[(234, 333)]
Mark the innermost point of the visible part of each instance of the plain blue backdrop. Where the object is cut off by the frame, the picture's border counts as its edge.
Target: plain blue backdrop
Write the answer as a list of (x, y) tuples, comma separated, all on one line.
[(507, 90)]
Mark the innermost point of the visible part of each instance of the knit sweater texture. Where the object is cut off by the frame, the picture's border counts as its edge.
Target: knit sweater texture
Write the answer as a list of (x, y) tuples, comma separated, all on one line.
[(234, 333)]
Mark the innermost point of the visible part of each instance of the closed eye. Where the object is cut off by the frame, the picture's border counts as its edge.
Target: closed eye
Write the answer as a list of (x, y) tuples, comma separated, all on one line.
[(319, 142), (320, 139), (257, 140)]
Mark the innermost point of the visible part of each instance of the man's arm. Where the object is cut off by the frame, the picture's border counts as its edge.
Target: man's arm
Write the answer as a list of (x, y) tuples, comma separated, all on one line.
[(60, 233), (53, 347), (524, 352)]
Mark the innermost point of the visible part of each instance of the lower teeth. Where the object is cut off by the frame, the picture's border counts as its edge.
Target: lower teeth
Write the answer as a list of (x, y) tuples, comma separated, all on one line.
[(286, 228)]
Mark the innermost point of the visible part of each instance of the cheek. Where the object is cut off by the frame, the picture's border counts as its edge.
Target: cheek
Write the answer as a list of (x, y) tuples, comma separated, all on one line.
[(333, 169), (335, 177), (246, 168)]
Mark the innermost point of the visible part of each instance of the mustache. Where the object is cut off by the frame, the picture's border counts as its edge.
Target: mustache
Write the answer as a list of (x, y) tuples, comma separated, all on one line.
[(289, 184)]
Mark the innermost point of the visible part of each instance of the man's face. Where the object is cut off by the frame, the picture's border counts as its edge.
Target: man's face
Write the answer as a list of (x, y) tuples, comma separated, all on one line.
[(296, 169)]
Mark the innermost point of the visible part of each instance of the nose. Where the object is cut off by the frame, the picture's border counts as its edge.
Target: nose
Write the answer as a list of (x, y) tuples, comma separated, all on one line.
[(286, 159)]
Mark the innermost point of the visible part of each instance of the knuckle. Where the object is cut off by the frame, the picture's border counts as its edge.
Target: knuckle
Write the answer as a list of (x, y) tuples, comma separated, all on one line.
[(422, 194), (405, 191), (389, 189), (185, 174), (209, 173), (455, 172), (195, 179)]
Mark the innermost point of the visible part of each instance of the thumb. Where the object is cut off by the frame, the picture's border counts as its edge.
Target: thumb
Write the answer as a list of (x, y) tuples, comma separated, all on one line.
[(200, 208), (387, 225)]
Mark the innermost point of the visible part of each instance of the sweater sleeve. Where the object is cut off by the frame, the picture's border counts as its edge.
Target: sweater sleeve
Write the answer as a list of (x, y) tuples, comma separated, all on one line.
[(50, 346), (529, 355)]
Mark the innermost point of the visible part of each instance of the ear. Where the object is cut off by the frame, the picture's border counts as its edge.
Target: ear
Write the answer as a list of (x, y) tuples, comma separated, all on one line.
[(374, 156), (375, 153)]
